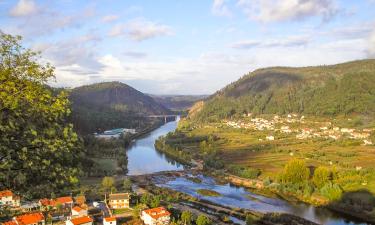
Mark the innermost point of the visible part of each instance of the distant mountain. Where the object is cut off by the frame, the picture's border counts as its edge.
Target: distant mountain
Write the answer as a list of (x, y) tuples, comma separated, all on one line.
[(178, 102), (347, 88), (111, 104)]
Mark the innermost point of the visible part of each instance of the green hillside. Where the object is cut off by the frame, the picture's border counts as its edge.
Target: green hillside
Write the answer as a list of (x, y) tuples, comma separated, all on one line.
[(111, 104), (178, 102), (347, 88)]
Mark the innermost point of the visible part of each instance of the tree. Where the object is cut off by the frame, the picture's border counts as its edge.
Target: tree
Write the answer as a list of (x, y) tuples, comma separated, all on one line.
[(39, 151), (186, 217), (321, 176), (295, 171), (203, 220), (331, 191), (108, 184), (127, 185)]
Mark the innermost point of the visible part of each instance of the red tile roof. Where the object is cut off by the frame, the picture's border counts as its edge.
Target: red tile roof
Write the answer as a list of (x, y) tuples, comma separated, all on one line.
[(110, 219), (6, 193), (47, 202), (9, 223), (77, 208), (64, 200), (156, 213), (81, 220), (29, 218)]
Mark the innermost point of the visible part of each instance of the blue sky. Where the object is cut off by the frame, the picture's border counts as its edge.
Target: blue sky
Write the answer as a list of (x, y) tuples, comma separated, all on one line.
[(191, 46)]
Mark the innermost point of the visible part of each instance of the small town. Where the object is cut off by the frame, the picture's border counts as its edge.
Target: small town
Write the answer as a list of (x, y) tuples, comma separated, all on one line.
[(301, 127), (77, 211)]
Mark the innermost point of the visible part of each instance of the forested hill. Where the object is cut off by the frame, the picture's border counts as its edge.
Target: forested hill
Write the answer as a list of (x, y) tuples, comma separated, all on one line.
[(178, 102), (111, 104), (345, 88)]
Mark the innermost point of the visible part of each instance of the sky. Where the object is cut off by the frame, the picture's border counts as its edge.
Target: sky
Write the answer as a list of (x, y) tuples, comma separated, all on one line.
[(187, 46)]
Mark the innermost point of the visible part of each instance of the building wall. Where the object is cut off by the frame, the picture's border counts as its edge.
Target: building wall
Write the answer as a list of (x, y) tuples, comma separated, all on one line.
[(119, 204)]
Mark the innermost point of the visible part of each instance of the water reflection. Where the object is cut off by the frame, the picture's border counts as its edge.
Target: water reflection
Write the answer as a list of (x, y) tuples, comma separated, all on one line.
[(239, 197), (143, 157)]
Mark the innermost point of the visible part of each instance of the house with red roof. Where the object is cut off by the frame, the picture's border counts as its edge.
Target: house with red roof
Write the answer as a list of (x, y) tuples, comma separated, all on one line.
[(84, 220), (66, 201), (7, 198), (156, 216), (78, 211), (109, 221), (27, 219)]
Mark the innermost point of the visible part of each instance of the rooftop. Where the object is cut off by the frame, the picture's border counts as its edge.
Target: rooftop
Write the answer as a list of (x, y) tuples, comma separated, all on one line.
[(64, 200), (81, 220), (156, 213), (6, 193), (77, 209), (119, 196), (110, 219), (29, 218)]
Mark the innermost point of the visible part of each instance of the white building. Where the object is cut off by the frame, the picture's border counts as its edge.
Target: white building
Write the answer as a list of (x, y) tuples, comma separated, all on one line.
[(84, 220), (109, 221), (78, 211), (270, 138), (8, 198), (156, 216)]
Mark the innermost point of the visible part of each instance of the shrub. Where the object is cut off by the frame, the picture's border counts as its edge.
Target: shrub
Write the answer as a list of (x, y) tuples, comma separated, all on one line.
[(321, 176), (331, 191), (295, 172)]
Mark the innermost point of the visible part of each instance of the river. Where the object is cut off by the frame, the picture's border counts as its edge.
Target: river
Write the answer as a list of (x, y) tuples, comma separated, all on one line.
[(144, 159)]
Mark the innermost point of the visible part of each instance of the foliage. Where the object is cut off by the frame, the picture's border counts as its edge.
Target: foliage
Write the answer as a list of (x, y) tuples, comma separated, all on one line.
[(206, 192), (203, 220), (321, 176), (127, 185), (245, 172), (39, 151), (324, 90), (108, 183), (186, 217), (250, 220), (331, 191), (295, 172)]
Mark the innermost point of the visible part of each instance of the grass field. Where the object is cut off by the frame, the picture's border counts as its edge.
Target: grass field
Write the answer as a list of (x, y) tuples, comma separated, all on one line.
[(243, 147)]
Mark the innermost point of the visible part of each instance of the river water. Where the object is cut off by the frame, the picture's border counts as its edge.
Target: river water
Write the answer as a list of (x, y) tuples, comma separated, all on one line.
[(144, 158)]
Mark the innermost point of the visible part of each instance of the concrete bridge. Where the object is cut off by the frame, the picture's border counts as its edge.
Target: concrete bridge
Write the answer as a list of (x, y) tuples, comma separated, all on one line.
[(163, 116)]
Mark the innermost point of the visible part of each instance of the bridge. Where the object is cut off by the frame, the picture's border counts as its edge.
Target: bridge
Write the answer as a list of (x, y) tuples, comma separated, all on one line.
[(163, 116)]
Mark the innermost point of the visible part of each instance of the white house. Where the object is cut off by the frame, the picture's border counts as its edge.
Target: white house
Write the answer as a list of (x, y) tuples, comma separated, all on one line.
[(156, 216), (270, 138), (84, 220), (109, 221), (78, 211), (8, 198)]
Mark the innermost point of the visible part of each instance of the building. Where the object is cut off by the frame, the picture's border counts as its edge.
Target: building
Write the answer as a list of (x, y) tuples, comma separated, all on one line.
[(80, 200), (109, 221), (27, 219), (156, 216), (7, 198), (66, 201), (115, 133), (30, 206), (84, 220), (78, 211), (119, 201)]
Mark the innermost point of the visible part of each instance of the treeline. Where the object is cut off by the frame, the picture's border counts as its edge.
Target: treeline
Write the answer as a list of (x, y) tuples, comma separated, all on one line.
[(317, 91)]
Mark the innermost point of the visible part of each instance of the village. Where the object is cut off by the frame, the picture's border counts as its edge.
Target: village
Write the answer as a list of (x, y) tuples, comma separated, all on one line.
[(294, 124), (76, 210)]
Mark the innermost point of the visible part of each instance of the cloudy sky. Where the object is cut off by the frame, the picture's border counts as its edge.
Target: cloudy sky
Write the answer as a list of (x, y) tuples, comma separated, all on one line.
[(187, 46)]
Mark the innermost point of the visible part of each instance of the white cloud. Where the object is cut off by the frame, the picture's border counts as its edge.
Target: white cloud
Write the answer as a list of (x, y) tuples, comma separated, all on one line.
[(109, 18), (219, 8), (371, 45), (135, 54), (291, 41), (140, 30), (24, 8), (287, 10)]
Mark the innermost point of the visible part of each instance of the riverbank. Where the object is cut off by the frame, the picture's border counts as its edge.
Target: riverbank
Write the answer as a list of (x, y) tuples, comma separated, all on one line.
[(267, 188)]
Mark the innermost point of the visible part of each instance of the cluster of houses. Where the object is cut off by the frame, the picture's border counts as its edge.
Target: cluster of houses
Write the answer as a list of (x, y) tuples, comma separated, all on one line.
[(78, 210), (115, 133), (316, 129)]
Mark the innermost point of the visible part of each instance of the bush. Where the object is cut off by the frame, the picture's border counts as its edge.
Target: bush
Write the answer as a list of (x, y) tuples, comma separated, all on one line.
[(295, 172), (321, 176), (331, 191)]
